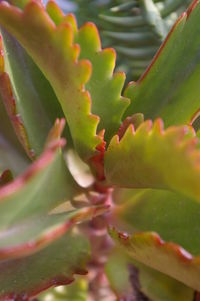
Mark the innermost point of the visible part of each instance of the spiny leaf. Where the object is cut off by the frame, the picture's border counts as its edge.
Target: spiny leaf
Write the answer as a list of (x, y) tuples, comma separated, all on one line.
[(104, 86), (52, 48), (55, 265), (169, 258), (172, 93), (152, 157)]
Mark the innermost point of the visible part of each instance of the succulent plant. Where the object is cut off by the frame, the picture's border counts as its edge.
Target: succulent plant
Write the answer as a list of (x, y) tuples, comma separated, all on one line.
[(116, 208), (142, 26)]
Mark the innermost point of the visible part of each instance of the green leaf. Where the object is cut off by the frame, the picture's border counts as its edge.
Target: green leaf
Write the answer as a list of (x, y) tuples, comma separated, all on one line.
[(52, 48), (43, 186), (12, 155), (104, 86), (159, 287), (27, 96), (168, 258), (174, 217), (118, 274), (55, 265), (152, 157), (77, 291), (170, 88)]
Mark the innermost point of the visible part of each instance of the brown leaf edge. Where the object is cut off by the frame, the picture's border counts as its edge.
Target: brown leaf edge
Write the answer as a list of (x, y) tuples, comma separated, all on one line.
[(10, 105), (6, 177), (55, 281), (52, 145)]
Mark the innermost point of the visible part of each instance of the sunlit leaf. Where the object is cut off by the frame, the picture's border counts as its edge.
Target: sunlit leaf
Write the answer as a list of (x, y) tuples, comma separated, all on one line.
[(152, 157)]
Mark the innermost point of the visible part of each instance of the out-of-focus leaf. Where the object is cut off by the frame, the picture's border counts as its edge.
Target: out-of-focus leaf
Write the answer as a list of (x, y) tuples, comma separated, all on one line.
[(159, 287), (6, 177), (55, 265), (27, 96), (170, 88), (52, 48), (152, 157), (25, 203), (174, 217), (77, 291), (118, 275), (168, 258)]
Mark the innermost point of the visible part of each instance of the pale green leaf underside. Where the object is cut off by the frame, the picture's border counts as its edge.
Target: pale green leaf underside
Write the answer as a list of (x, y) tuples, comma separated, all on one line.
[(170, 87), (152, 157)]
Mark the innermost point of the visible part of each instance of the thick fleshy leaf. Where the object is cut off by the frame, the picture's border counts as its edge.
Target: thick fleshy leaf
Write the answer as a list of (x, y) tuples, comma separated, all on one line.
[(160, 287), (152, 157), (33, 234), (168, 258), (77, 291), (52, 48), (27, 96), (43, 186), (118, 275), (12, 155), (174, 217), (55, 265), (104, 86), (170, 88)]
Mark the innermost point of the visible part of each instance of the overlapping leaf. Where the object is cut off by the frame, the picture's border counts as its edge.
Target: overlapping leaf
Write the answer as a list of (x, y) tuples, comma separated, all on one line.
[(174, 217), (45, 185), (152, 157), (55, 265), (53, 50), (27, 96), (12, 155), (170, 88), (77, 291), (169, 258), (160, 287), (104, 86)]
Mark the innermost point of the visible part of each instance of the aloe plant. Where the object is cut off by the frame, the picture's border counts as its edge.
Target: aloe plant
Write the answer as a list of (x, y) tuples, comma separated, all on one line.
[(113, 214)]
